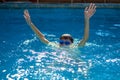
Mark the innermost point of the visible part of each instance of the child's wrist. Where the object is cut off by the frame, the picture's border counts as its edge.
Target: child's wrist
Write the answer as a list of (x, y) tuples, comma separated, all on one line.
[(86, 18)]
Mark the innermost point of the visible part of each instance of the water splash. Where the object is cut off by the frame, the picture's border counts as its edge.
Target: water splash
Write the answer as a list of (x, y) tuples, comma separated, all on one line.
[(49, 65)]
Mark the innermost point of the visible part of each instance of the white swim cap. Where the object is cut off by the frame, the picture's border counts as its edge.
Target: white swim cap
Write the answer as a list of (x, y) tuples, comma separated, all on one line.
[(66, 35)]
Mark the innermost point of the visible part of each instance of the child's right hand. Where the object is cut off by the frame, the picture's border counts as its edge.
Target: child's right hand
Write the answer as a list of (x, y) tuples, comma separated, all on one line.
[(89, 11)]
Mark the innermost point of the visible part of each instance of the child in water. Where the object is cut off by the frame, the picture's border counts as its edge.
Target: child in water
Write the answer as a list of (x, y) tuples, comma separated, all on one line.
[(65, 39)]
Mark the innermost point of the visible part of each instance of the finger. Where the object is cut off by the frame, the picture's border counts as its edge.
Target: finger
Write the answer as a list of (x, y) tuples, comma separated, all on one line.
[(93, 5), (86, 8), (94, 8), (27, 13), (90, 6)]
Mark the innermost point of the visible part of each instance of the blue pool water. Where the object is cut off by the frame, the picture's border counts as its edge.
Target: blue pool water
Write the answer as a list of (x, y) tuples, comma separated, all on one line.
[(24, 57)]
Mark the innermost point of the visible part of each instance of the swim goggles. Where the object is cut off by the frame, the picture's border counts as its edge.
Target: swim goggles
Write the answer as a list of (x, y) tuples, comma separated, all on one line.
[(64, 42)]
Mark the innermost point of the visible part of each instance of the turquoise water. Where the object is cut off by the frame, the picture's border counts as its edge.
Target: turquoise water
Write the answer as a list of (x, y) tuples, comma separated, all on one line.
[(24, 57)]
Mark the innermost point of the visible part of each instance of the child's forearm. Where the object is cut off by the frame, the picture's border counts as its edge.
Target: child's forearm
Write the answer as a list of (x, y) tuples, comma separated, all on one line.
[(86, 29), (35, 29), (86, 33), (38, 33)]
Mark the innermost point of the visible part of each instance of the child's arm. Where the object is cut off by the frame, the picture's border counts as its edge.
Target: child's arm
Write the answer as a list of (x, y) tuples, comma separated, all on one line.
[(34, 28), (89, 11)]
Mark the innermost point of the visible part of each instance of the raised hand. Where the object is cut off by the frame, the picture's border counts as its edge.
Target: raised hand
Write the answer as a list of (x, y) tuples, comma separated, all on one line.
[(89, 11), (27, 16)]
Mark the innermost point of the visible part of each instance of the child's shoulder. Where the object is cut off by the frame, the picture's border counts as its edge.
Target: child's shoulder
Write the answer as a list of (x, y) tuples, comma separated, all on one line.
[(53, 44)]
